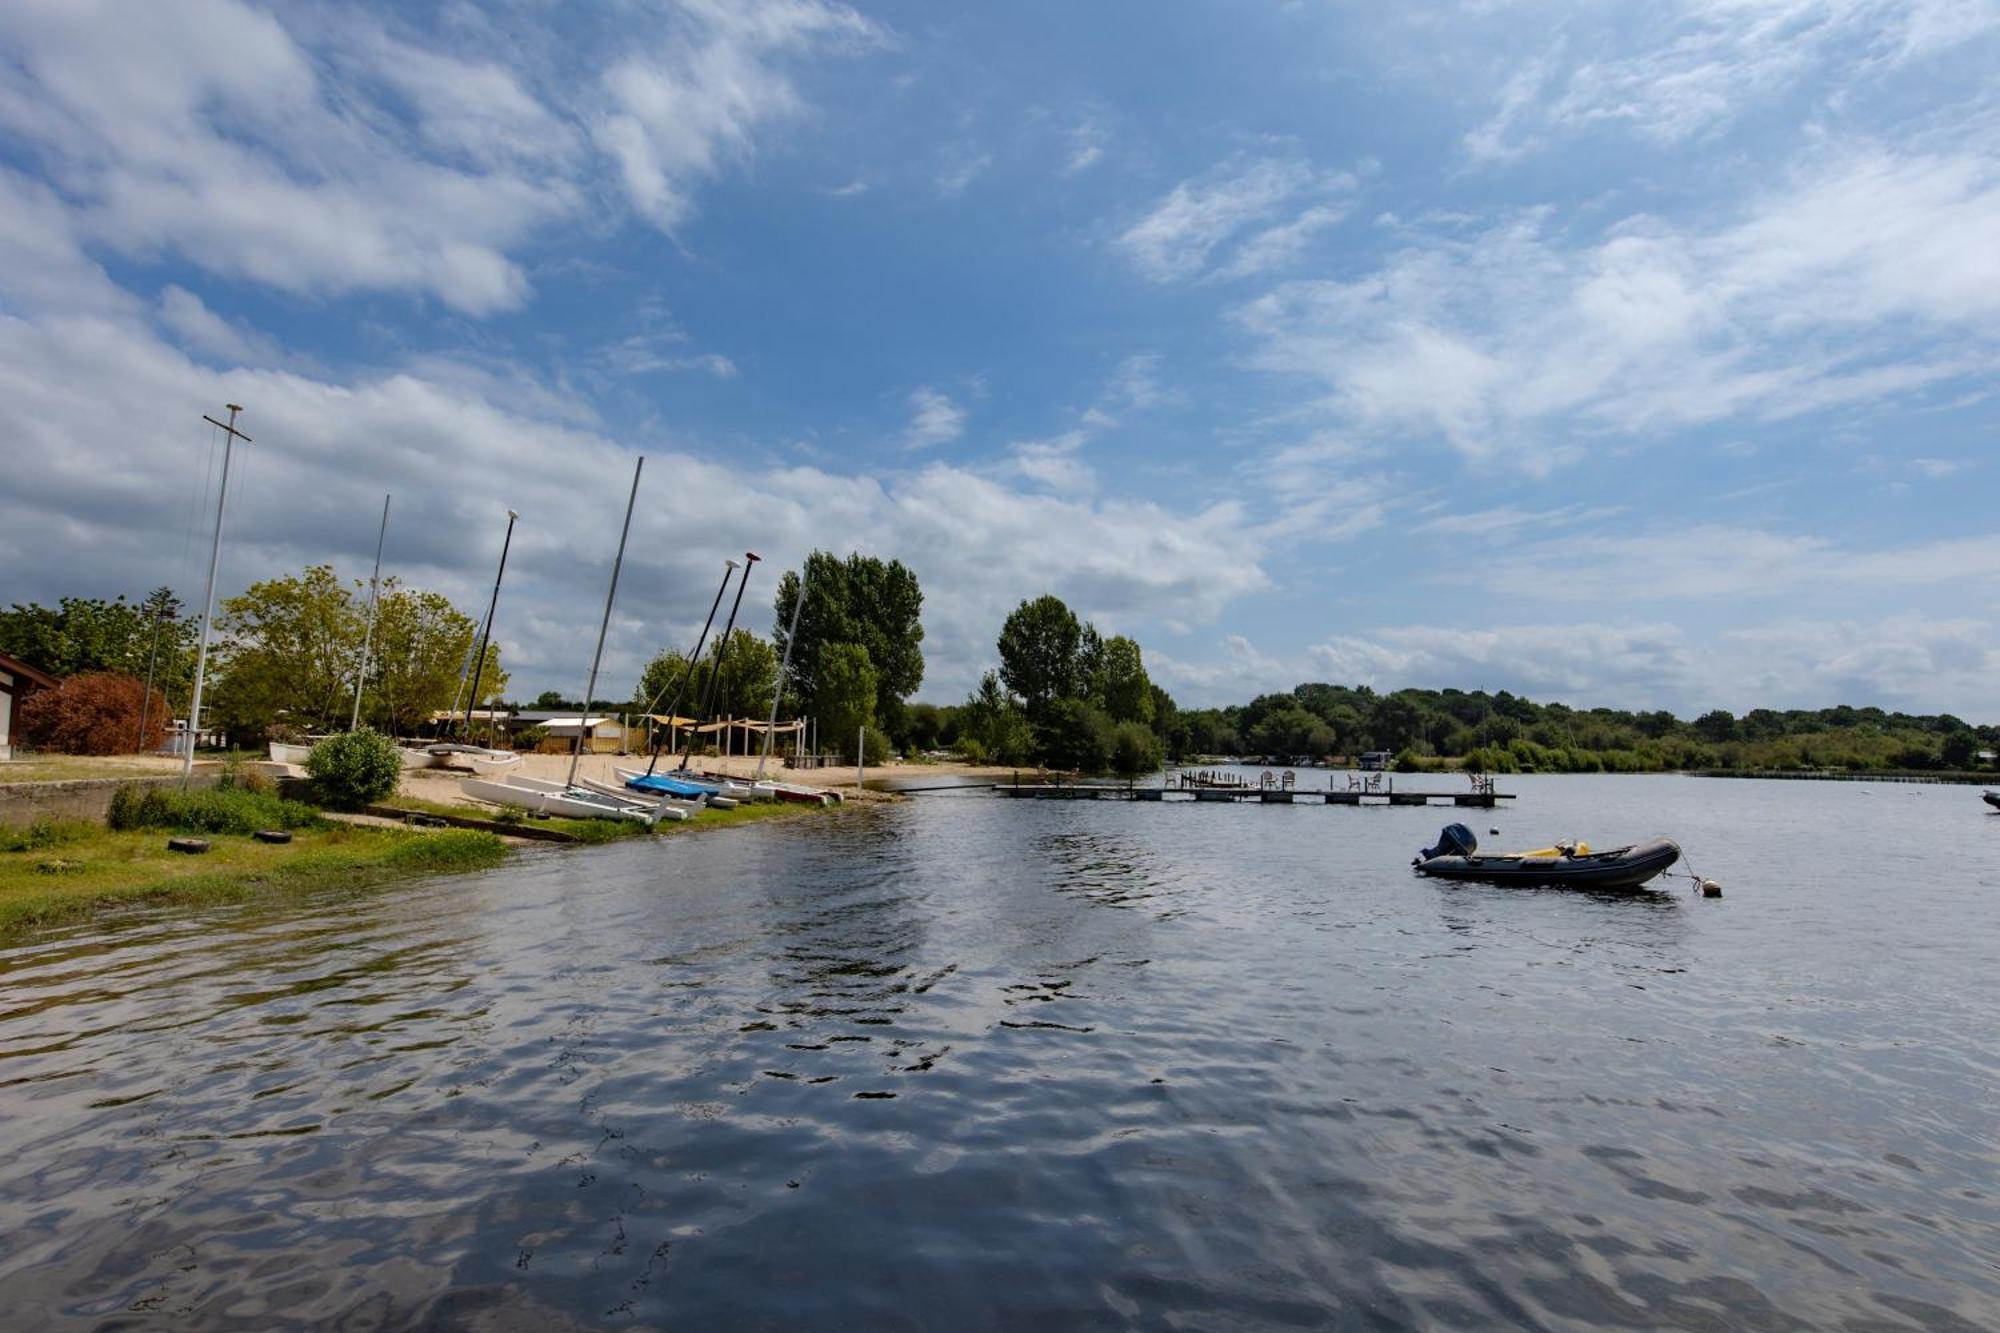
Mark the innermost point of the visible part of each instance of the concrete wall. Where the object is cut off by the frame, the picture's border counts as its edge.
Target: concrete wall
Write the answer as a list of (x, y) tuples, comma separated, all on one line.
[(22, 803)]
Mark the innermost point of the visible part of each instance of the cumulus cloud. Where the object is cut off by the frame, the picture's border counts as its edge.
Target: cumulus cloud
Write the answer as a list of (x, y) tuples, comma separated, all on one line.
[(99, 516), (321, 154), (1864, 277)]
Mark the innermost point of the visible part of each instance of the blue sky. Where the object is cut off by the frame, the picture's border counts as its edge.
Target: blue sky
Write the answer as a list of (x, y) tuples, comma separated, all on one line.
[(1631, 355)]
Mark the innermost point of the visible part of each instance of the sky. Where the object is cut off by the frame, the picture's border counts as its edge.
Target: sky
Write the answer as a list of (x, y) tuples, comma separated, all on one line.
[(1640, 356)]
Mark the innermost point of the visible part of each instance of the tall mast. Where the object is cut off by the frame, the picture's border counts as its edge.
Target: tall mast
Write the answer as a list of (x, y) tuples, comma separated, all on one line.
[(374, 600), (486, 634), (778, 693), (583, 722), (230, 435), (728, 568), (750, 558)]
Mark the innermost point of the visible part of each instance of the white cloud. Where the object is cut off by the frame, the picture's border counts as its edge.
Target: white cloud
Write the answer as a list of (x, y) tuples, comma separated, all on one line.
[(674, 113), (1716, 563), (1054, 464), (1086, 148), (322, 154), (1175, 239), (962, 166), (1866, 276), (206, 131), (1238, 673), (1936, 469), (1904, 661), (1676, 71), (101, 515), (934, 419), (202, 330)]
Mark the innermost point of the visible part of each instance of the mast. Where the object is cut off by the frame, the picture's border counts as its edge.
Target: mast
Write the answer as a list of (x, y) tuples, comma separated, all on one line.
[(728, 568), (374, 601), (604, 625), (230, 435), (791, 637), (486, 634), (750, 558)]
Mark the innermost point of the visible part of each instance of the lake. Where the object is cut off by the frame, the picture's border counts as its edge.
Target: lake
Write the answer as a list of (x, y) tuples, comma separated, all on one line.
[(965, 1062)]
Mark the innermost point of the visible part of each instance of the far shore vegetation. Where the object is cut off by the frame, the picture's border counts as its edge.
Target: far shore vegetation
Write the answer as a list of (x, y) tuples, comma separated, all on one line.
[(1061, 694)]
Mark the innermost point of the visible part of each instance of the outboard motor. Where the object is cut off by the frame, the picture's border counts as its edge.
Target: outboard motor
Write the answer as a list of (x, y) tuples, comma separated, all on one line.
[(1456, 840)]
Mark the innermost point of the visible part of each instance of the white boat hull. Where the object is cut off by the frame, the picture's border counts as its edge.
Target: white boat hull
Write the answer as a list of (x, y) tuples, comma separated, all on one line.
[(537, 798), (282, 753), (665, 807)]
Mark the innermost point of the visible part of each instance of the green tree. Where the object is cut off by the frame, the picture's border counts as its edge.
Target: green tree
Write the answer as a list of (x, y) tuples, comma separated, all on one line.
[(1292, 731), (1123, 689), (1039, 647), (847, 687), (421, 645), (996, 723), (289, 652), (1075, 734), (83, 634), (657, 684), (858, 600), (749, 674), (1134, 749)]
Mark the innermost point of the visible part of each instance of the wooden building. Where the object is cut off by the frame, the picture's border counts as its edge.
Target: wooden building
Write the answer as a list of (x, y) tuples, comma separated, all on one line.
[(17, 678)]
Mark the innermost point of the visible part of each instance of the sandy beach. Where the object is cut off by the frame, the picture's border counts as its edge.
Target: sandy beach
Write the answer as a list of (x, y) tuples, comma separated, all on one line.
[(442, 784)]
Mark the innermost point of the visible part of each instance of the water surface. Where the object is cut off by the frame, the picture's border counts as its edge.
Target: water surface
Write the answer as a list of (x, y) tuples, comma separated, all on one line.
[(967, 1062)]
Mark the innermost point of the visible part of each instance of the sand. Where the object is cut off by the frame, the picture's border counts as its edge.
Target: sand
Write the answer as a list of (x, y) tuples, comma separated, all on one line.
[(441, 784)]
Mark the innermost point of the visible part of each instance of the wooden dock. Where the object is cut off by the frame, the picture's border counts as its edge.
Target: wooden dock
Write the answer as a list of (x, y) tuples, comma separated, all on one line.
[(1484, 798)]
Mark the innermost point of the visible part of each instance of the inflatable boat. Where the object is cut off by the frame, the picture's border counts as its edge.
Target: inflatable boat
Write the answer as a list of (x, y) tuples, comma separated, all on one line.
[(1571, 865)]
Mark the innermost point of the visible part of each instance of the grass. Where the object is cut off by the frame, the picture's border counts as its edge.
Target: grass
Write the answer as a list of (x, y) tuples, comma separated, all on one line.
[(56, 872), (93, 867), (76, 767)]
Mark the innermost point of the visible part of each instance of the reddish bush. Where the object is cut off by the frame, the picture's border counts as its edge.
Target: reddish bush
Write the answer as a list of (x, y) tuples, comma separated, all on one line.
[(96, 712)]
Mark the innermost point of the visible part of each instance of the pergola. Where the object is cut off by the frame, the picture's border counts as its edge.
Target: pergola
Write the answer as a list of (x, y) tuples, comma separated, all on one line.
[(727, 728)]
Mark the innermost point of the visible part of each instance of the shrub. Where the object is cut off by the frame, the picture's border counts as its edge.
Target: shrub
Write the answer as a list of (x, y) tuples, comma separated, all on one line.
[(970, 750), (530, 738), (41, 834), (93, 713), (219, 810), (1135, 749), (355, 768), (874, 746)]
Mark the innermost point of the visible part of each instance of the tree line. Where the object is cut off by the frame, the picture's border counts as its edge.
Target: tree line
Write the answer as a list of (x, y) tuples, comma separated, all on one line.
[(1503, 733)]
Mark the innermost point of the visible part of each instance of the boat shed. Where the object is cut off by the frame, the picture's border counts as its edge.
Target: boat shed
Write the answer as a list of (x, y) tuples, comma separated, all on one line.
[(602, 734), (17, 680)]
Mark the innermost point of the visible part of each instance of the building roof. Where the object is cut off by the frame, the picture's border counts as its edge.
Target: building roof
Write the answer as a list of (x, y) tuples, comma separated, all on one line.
[(14, 666)]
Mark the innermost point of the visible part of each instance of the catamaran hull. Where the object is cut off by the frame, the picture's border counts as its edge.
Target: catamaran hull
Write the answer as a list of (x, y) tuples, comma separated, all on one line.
[(572, 803), (664, 808), (663, 784)]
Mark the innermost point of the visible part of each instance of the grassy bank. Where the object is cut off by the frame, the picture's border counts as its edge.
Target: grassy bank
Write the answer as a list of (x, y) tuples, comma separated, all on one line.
[(68, 871)]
